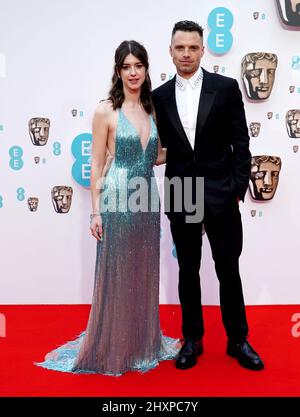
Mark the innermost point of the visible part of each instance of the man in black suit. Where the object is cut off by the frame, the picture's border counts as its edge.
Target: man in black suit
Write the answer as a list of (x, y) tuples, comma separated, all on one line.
[(201, 121)]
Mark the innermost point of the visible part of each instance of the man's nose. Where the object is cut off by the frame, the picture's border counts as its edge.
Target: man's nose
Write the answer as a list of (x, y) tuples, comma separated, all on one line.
[(186, 52), (298, 123), (42, 131), (263, 77)]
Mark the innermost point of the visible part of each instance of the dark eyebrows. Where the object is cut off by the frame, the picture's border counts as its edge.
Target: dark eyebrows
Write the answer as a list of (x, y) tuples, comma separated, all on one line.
[(138, 62), (182, 46)]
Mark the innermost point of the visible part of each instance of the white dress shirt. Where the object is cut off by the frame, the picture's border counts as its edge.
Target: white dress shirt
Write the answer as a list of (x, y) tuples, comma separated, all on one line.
[(187, 93)]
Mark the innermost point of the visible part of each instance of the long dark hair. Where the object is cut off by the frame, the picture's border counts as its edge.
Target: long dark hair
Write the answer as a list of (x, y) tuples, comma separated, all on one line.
[(116, 93)]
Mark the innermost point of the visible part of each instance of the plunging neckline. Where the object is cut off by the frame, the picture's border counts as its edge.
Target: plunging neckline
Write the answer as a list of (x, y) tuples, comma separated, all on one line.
[(136, 131)]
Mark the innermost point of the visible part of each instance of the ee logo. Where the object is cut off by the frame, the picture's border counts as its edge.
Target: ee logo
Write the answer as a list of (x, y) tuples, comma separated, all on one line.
[(20, 194), (220, 21), (16, 161), (56, 148), (81, 150), (296, 62)]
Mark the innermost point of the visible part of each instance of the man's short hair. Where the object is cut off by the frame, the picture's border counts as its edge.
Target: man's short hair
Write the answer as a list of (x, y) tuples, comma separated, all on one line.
[(188, 26)]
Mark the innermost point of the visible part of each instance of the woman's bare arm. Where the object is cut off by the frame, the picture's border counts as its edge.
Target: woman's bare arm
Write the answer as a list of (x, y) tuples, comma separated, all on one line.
[(100, 130)]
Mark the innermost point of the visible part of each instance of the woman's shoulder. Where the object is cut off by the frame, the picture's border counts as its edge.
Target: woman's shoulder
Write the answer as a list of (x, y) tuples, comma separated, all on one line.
[(104, 109)]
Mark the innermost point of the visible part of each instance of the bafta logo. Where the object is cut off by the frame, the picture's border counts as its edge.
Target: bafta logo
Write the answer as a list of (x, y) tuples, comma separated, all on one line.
[(258, 74), (61, 198), (292, 122), (292, 88), (39, 130), (33, 203), (289, 11), (216, 68), (254, 128), (264, 178)]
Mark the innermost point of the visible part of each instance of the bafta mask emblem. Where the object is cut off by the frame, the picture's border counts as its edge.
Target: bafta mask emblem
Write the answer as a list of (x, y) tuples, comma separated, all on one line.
[(264, 178), (61, 198), (258, 74), (39, 130)]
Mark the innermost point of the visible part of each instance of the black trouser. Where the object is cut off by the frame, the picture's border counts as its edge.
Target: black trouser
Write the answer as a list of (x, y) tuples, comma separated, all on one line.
[(225, 234)]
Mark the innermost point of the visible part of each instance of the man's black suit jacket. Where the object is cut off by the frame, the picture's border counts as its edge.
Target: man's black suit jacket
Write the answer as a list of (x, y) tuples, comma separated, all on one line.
[(221, 152)]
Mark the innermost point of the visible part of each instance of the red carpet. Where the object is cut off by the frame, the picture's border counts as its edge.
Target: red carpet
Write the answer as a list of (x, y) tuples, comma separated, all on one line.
[(32, 331)]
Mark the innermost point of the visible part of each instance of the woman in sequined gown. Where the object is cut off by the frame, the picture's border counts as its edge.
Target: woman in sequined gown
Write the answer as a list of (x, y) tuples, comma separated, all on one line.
[(123, 331)]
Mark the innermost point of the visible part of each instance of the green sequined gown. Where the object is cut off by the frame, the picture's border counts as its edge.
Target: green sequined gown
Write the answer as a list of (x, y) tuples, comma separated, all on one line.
[(123, 331)]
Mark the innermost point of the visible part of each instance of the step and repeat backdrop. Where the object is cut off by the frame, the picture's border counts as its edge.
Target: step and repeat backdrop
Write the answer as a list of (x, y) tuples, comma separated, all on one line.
[(56, 60)]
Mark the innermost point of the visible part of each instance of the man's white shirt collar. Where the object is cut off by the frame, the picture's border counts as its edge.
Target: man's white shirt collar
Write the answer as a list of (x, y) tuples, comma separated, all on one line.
[(194, 81)]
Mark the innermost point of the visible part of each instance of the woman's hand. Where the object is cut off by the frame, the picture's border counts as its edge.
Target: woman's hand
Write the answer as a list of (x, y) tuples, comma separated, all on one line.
[(96, 227), (161, 154), (161, 157)]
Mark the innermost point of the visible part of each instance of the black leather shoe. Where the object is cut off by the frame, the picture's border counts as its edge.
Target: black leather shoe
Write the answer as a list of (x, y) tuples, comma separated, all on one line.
[(245, 354), (187, 356)]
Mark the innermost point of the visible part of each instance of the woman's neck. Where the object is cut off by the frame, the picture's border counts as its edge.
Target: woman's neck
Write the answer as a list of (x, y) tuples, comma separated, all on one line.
[(132, 99)]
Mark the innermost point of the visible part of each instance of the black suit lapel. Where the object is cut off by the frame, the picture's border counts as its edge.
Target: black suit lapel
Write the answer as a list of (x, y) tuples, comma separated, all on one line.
[(172, 111), (206, 101)]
